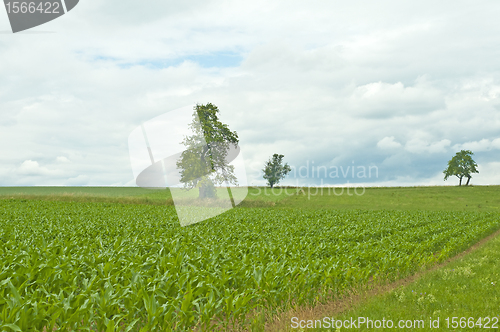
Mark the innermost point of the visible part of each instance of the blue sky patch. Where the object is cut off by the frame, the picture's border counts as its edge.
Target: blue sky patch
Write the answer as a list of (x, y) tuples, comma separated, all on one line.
[(210, 60)]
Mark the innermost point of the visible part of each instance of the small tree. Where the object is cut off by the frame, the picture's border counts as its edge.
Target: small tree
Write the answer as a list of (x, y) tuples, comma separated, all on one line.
[(274, 170), (204, 163), (461, 165)]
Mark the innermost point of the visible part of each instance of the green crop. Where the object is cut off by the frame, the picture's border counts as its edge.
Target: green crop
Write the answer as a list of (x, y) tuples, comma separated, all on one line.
[(114, 267)]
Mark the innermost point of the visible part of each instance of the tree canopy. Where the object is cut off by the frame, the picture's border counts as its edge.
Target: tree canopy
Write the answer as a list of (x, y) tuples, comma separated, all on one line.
[(462, 166), (204, 162), (274, 170)]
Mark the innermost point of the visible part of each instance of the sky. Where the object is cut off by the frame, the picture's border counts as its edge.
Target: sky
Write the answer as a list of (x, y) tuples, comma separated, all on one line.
[(398, 86)]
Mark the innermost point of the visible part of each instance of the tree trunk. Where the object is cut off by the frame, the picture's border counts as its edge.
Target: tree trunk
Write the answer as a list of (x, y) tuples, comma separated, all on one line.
[(207, 190), (460, 183), (468, 179)]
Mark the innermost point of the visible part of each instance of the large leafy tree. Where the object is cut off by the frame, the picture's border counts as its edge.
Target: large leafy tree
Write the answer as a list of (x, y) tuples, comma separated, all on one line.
[(462, 166), (204, 163), (274, 170)]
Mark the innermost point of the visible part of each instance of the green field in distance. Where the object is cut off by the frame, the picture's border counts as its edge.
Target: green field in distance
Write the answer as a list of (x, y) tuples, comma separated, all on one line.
[(452, 198)]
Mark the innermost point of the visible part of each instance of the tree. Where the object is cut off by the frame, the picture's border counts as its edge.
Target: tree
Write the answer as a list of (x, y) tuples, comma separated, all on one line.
[(274, 170), (461, 165), (204, 163)]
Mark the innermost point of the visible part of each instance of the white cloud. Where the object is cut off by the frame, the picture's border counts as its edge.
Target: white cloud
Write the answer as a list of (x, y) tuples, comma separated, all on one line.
[(32, 168), (388, 143), (62, 159), (323, 81), (380, 99), (80, 180), (478, 146), (488, 174), (420, 146)]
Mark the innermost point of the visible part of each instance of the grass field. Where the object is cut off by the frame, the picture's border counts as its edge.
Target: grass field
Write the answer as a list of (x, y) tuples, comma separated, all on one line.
[(478, 198), (130, 195), (80, 257), (446, 198)]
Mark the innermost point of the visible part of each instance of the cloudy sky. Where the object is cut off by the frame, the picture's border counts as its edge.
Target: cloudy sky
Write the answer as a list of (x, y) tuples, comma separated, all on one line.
[(397, 85)]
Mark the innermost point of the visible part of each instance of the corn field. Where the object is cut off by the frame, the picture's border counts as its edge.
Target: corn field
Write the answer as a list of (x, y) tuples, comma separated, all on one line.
[(112, 267)]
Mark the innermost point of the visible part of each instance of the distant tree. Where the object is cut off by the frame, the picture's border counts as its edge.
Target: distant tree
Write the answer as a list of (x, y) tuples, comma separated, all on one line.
[(274, 170), (462, 166), (204, 163)]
